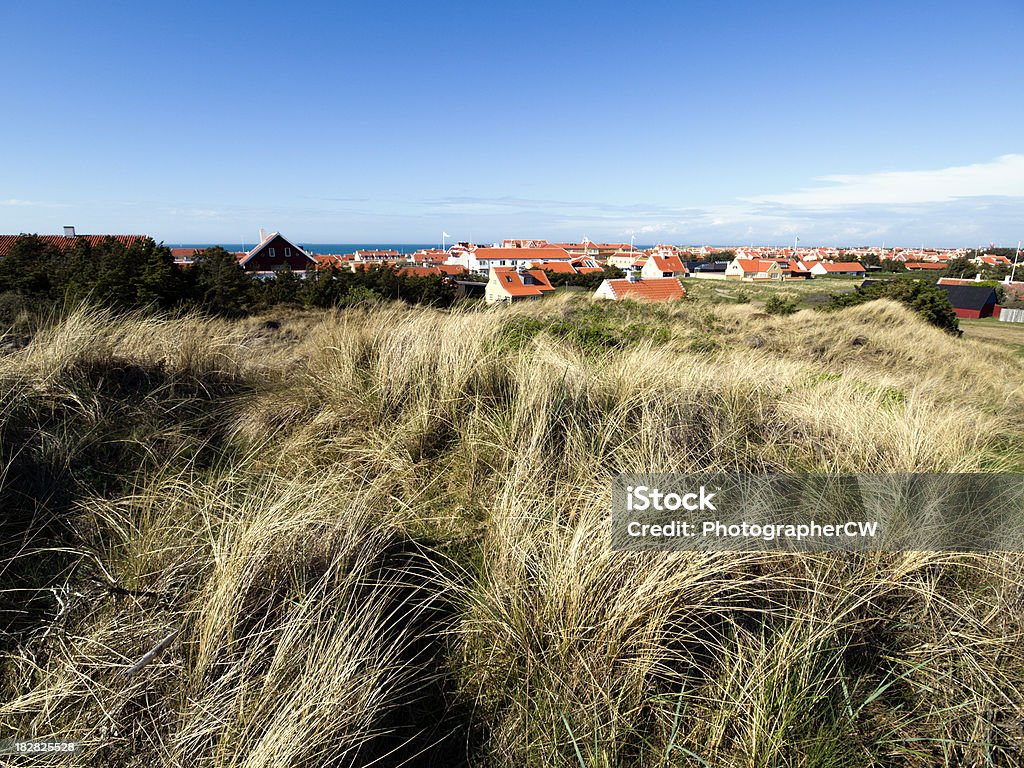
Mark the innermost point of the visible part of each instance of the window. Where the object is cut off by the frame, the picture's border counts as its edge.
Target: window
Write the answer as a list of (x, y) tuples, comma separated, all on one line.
[(271, 252), (287, 253)]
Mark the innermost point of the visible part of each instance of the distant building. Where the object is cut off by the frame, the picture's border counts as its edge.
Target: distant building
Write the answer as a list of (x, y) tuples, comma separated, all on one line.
[(663, 266), (68, 239), (509, 284), (419, 271), (627, 258), (470, 289), (632, 287), (587, 248), (275, 253), (753, 269), (794, 269), (441, 270), (838, 269), (993, 260), (482, 260), (581, 265), (971, 301), (706, 268), (523, 243), (382, 256)]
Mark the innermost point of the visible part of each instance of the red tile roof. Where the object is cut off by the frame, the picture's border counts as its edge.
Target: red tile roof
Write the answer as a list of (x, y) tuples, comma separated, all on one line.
[(668, 263), (328, 259), (842, 266), (419, 271), (924, 265), (658, 289), (534, 254), (451, 269), (563, 267), (510, 279), (63, 242), (523, 243), (378, 254), (755, 265)]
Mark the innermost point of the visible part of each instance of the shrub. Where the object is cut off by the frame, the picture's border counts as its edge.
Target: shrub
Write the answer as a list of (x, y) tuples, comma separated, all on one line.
[(780, 305), (929, 302)]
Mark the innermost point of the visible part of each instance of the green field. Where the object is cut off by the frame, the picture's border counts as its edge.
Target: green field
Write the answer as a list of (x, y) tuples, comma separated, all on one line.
[(807, 293), (990, 329)]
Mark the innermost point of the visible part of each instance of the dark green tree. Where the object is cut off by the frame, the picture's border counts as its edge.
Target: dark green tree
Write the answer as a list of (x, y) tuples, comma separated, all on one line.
[(32, 269), (892, 265), (124, 277), (925, 299), (961, 267), (284, 287), (220, 285), (589, 280)]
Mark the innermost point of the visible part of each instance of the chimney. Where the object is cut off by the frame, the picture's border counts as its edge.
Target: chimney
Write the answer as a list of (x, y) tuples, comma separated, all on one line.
[(631, 274), (69, 231)]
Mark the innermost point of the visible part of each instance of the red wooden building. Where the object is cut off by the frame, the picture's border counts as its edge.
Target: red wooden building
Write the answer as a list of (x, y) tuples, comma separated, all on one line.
[(274, 253), (971, 301)]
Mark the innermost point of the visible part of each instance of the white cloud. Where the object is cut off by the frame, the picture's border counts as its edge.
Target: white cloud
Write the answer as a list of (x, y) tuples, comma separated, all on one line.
[(15, 202), (196, 213), (1002, 177)]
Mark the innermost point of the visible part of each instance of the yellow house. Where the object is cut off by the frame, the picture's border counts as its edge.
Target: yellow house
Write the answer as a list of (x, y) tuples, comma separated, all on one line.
[(753, 269)]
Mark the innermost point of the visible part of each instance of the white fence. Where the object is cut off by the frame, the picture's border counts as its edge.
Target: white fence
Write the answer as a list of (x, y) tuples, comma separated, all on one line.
[(1011, 315)]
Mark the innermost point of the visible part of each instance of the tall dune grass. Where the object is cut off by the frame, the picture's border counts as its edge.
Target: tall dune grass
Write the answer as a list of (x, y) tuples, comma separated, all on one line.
[(380, 536)]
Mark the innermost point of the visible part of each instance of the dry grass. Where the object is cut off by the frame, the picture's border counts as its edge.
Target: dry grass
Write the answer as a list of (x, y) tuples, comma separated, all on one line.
[(381, 537)]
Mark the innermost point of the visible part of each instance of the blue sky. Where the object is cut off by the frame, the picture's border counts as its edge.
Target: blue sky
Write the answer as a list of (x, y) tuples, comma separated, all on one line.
[(726, 122)]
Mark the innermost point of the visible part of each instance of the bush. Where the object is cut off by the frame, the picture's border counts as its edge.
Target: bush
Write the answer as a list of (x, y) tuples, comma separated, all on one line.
[(589, 280), (780, 305), (929, 302), (220, 284)]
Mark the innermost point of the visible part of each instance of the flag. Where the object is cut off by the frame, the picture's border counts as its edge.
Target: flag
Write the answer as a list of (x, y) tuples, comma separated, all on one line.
[(445, 234)]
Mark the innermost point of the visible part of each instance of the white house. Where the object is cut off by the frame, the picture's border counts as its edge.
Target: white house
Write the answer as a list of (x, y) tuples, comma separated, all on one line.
[(482, 260), (839, 268), (508, 284), (663, 266), (753, 269)]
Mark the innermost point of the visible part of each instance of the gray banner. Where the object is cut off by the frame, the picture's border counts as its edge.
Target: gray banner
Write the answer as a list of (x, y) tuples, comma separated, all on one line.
[(815, 513)]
